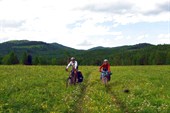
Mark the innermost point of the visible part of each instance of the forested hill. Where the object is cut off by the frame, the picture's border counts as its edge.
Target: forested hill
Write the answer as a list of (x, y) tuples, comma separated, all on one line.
[(41, 53)]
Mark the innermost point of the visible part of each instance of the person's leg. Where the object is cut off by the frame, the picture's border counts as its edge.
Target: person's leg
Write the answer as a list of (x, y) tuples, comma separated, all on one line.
[(108, 76), (102, 77), (76, 76), (72, 76)]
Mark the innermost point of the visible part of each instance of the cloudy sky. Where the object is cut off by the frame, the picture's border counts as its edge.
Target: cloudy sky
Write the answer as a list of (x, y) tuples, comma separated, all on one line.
[(83, 24)]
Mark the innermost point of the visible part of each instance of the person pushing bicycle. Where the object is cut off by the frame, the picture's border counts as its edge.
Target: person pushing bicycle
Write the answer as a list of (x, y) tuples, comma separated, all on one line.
[(74, 65), (105, 68)]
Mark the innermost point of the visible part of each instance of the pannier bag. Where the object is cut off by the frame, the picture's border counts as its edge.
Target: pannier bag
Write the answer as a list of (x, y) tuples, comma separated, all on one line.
[(80, 76)]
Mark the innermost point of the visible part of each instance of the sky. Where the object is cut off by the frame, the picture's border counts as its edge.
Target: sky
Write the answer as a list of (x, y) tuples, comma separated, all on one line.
[(83, 24)]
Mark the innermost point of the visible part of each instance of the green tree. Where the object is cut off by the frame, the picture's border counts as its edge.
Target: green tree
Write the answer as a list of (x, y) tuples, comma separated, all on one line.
[(151, 59), (10, 59), (160, 57), (54, 61), (0, 60), (43, 61), (29, 60), (26, 59), (168, 58), (117, 60), (36, 61)]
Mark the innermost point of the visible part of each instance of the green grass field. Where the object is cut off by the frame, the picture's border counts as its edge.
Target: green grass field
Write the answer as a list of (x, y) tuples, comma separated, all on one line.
[(38, 89)]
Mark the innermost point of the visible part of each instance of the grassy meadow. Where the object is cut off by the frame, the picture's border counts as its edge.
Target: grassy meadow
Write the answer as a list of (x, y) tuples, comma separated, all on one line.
[(42, 89)]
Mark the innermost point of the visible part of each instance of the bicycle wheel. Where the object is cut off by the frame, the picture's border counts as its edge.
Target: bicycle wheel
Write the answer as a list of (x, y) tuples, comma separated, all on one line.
[(68, 82), (105, 81), (74, 79)]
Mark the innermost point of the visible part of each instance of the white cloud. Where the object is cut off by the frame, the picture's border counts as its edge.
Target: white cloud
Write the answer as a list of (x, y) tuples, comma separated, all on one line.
[(85, 43), (74, 21), (11, 23), (164, 38), (142, 37)]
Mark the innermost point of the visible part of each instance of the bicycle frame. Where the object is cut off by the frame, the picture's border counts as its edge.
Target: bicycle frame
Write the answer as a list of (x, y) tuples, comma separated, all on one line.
[(71, 79), (104, 78)]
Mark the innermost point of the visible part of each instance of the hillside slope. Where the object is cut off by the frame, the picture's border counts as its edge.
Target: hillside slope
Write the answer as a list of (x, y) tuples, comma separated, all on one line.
[(139, 54), (36, 48)]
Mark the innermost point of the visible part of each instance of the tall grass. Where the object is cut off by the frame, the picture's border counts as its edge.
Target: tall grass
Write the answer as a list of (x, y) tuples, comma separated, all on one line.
[(34, 89)]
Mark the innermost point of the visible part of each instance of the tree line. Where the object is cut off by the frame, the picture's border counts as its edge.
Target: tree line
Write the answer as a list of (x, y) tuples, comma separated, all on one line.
[(40, 53), (141, 57)]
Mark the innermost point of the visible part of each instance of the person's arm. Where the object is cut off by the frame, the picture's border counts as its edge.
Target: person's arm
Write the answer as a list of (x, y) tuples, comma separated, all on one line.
[(108, 67), (101, 68), (68, 66)]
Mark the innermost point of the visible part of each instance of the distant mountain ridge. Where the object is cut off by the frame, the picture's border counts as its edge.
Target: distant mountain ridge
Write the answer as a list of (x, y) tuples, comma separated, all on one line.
[(13, 43), (33, 47), (121, 55), (136, 46)]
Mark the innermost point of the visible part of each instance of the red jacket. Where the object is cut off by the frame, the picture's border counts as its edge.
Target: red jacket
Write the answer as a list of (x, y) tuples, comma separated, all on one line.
[(105, 66)]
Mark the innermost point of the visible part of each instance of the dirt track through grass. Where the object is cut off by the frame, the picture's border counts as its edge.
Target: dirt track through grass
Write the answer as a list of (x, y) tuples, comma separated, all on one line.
[(79, 108), (116, 101)]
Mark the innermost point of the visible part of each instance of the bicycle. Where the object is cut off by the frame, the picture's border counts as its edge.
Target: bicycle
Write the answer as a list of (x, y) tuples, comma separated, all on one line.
[(71, 79), (105, 77)]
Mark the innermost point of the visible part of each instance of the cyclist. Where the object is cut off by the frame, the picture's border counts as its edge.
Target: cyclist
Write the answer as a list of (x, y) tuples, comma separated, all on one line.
[(74, 65), (105, 67)]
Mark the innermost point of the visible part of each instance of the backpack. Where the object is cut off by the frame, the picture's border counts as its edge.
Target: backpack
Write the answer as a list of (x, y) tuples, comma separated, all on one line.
[(80, 76)]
